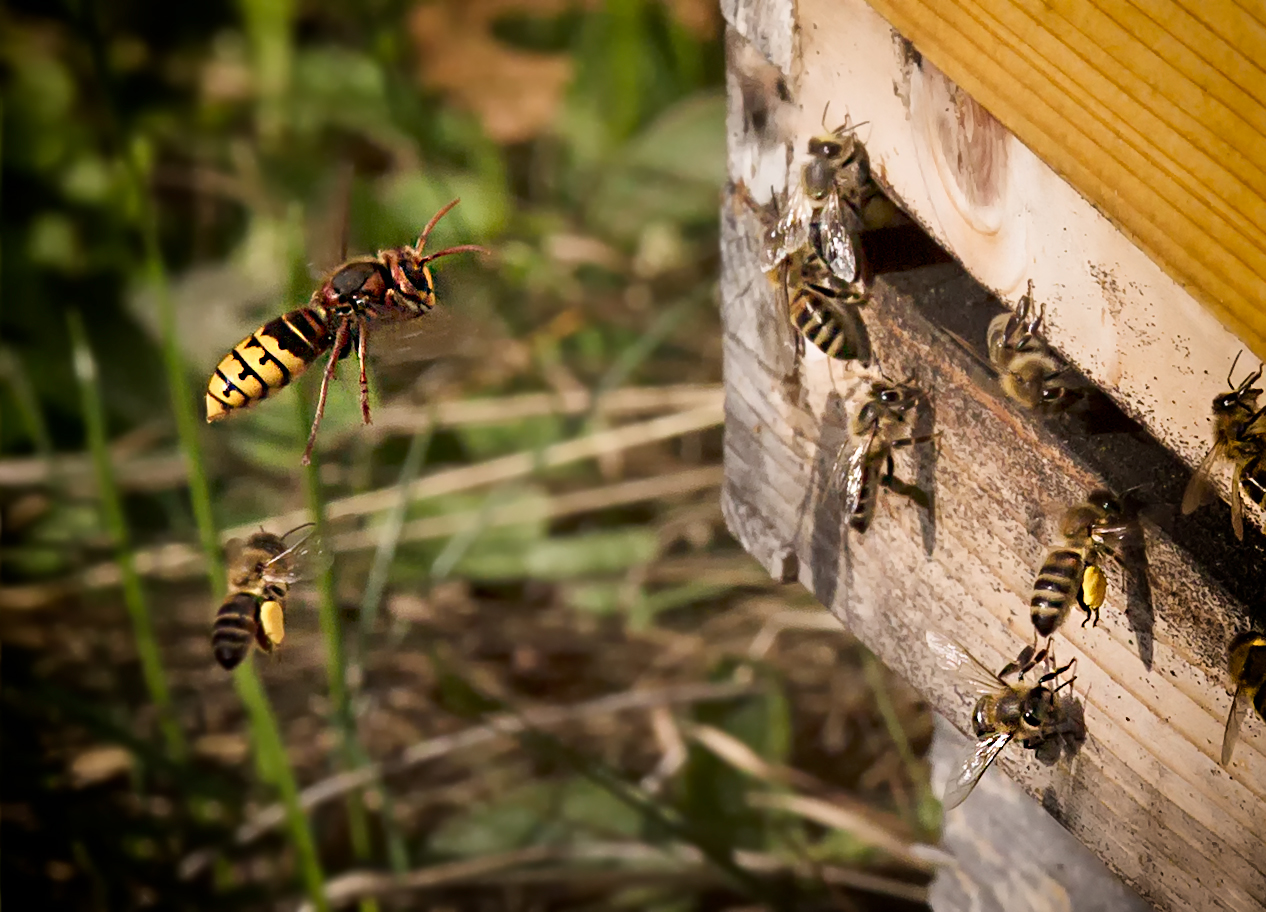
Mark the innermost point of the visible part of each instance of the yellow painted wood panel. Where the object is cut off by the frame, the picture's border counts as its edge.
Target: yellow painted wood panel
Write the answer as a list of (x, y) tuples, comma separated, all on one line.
[(1155, 110)]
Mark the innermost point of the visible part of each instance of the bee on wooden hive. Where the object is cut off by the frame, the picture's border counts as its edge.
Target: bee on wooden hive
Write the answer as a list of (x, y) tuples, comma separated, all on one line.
[(1071, 571), (1239, 436), (823, 309), (261, 570), (1004, 711), (822, 210), (391, 287), (1246, 660), (885, 415), (1030, 373)]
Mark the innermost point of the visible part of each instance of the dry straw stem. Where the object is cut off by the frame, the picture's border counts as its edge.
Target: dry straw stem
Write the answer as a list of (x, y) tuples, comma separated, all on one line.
[(156, 472), (498, 726), (605, 865), (878, 829), (178, 560)]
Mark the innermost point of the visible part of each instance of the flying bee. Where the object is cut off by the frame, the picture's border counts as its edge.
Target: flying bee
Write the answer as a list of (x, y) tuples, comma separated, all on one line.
[(261, 570), (1239, 435), (391, 287), (885, 414), (1072, 571), (824, 310), (1004, 711), (1030, 373), (1246, 660)]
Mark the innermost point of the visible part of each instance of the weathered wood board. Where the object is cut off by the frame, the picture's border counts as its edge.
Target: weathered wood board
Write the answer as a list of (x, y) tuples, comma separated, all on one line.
[(1154, 109), (1010, 856), (1145, 792), (999, 208)]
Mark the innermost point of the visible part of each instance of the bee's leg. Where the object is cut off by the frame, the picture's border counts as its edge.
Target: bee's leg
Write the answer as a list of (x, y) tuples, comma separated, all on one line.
[(340, 339), (1059, 671), (361, 332), (1052, 675), (911, 441), (1090, 612)]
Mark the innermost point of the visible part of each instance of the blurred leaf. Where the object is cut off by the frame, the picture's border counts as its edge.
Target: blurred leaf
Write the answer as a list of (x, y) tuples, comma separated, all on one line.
[(514, 93), (687, 141), (492, 440), (562, 558), (538, 813), (673, 171)]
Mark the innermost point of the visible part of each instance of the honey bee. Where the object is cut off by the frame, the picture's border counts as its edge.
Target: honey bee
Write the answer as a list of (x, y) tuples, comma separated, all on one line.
[(261, 570), (1246, 660), (870, 464), (824, 310), (1239, 436), (1004, 711), (1030, 373), (1072, 571), (822, 211), (393, 286)]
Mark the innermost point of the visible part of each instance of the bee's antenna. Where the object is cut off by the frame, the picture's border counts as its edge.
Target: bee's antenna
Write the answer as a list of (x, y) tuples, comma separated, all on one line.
[(295, 529), (1231, 372)]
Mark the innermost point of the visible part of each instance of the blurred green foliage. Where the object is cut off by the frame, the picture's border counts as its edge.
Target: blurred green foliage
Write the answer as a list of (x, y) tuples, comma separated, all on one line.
[(241, 118)]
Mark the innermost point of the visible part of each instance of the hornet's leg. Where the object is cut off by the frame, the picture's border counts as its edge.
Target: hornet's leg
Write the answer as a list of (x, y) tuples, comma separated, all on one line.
[(362, 331), (340, 339)]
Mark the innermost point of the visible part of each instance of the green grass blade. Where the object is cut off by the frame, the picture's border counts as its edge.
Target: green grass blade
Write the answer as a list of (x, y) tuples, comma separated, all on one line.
[(270, 755), (116, 525), (328, 611), (270, 751), (183, 403)]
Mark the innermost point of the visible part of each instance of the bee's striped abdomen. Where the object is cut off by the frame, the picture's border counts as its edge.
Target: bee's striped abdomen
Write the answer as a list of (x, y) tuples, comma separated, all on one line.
[(1055, 588), (266, 360), (234, 629), (864, 513), (813, 321)]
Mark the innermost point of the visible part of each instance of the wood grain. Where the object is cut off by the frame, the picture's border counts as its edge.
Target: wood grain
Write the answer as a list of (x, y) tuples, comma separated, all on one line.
[(1007, 854), (1145, 792), (1154, 110), (1006, 215)]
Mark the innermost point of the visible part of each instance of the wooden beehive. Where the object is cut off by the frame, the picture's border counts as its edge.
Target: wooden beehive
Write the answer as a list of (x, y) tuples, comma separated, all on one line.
[(1145, 792)]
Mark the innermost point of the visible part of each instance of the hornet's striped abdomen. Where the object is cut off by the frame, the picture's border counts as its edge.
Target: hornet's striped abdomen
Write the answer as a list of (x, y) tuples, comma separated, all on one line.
[(1055, 589), (267, 360)]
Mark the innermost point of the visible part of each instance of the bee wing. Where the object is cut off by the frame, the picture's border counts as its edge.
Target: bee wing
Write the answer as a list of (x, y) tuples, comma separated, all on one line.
[(836, 240), (305, 559), (790, 233), (855, 474), (1239, 707), (953, 656), (1200, 488), (972, 768), (1237, 502)]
